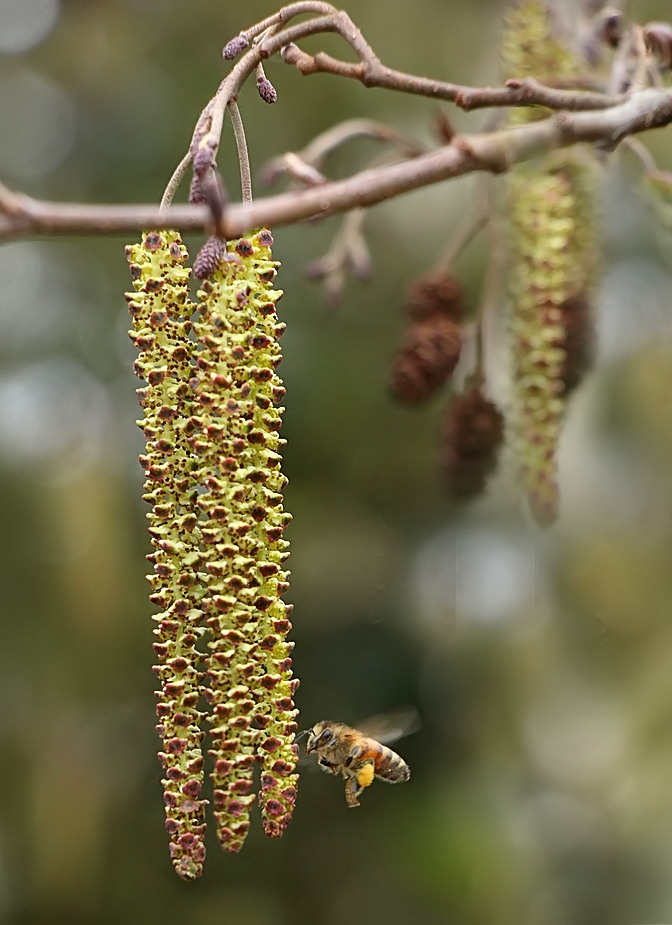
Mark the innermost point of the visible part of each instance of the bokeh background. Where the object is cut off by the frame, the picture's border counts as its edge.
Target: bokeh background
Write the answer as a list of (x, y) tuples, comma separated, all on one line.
[(540, 662)]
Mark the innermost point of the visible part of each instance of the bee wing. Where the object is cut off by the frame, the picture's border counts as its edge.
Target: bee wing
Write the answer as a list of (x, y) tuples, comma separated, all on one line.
[(387, 728)]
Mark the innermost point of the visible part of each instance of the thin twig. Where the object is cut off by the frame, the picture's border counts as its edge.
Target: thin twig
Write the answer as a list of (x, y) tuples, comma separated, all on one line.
[(642, 153), (178, 175), (243, 156), (348, 250), (492, 287), (285, 15), (305, 165), (326, 142), (517, 92), (293, 166), (463, 234)]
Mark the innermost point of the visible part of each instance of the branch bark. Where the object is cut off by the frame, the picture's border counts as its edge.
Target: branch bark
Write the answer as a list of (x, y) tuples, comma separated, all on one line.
[(496, 152)]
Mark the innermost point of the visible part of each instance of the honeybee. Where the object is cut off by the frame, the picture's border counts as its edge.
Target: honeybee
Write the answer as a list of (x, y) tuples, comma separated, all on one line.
[(357, 757)]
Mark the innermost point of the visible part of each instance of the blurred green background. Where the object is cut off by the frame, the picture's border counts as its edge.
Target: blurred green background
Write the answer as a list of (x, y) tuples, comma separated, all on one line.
[(540, 662)]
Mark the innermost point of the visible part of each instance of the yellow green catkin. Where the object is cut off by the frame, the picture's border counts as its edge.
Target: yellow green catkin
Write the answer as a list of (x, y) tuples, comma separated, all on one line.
[(250, 686), (161, 311), (212, 417)]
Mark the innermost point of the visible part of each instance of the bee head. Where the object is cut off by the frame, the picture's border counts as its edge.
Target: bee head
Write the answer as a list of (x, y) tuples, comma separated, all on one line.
[(320, 735)]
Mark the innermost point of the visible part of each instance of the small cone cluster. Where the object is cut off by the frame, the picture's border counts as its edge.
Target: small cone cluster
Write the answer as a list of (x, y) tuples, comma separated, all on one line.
[(472, 429), (471, 437), (432, 341), (213, 478)]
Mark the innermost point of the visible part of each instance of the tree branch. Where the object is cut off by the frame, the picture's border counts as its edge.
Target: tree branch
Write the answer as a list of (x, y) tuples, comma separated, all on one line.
[(495, 152), (517, 92), (268, 38), (21, 216)]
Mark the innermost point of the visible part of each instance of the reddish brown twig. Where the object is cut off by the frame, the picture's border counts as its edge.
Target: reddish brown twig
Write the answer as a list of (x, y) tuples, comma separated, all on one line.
[(525, 92), (305, 165)]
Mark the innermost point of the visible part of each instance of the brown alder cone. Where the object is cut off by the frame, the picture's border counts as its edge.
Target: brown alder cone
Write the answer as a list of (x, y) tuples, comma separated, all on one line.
[(472, 433), (579, 341), (432, 342)]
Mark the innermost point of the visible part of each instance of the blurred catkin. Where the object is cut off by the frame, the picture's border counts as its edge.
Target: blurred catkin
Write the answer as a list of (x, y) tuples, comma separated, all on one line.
[(551, 264)]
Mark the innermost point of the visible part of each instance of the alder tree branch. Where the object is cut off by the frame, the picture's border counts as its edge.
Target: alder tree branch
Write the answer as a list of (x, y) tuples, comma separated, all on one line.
[(269, 40), (495, 152), (577, 116), (516, 92)]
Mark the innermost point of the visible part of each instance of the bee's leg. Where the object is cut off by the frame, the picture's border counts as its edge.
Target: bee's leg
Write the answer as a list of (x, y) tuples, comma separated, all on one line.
[(355, 785), (352, 791), (327, 766)]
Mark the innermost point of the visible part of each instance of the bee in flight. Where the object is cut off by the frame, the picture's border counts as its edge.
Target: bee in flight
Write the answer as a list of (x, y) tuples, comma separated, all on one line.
[(357, 757)]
